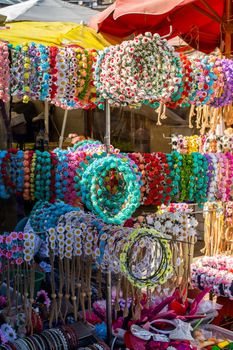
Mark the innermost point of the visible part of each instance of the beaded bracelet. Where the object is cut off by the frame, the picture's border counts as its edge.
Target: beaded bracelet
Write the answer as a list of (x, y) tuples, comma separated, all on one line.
[(32, 176), (27, 164), (175, 162), (44, 69), (19, 172), (52, 191), (187, 179), (188, 80), (213, 186), (200, 166), (229, 175), (53, 50), (222, 170)]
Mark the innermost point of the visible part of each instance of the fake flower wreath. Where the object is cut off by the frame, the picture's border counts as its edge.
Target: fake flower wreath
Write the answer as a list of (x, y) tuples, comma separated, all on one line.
[(138, 70)]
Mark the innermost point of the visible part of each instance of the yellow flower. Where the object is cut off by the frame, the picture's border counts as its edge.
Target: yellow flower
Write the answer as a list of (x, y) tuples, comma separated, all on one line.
[(26, 236), (88, 251), (60, 237), (88, 244), (52, 238), (78, 252), (68, 242), (60, 229), (78, 239), (77, 232)]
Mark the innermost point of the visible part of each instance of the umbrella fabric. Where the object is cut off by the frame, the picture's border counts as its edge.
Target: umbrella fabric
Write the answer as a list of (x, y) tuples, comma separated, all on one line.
[(198, 22), (53, 33)]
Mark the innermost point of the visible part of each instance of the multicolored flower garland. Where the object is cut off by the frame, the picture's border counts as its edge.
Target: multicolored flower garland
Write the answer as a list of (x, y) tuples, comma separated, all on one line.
[(202, 143), (156, 178), (144, 275), (138, 70), (214, 272), (49, 73), (116, 207), (143, 70)]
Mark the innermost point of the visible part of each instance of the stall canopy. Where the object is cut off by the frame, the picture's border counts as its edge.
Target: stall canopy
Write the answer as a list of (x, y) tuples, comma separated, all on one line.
[(54, 33), (199, 22), (51, 22), (47, 11)]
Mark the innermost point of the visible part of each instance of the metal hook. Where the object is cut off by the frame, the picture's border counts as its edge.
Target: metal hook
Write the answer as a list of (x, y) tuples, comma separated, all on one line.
[(166, 137), (167, 35)]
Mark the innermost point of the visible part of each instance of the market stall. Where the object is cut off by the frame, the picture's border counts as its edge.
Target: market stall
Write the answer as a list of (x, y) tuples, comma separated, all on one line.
[(85, 223)]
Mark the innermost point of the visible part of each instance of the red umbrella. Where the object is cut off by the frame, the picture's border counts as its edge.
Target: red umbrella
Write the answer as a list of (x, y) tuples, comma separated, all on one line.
[(198, 22)]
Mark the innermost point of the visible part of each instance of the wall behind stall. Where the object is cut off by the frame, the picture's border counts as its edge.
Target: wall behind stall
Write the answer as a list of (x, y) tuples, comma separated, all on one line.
[(74, 124)]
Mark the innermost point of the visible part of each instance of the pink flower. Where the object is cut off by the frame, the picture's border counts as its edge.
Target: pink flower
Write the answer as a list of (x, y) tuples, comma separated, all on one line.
[(9, 255), (19, 261), (14, 235), (8, 239), (20, 236)]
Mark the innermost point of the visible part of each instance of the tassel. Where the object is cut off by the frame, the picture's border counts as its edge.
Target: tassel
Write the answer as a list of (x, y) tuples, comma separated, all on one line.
[(67, 295), (99, 278), (118, 288), (163, 114), (60, 293), (78, 283), (53, 313), (191, 114), (126, 310), (159, 111), (73, 297), (88, 283)]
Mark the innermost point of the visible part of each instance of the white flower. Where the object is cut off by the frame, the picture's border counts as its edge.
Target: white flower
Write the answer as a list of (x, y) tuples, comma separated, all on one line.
[(168, 224), (157, 225), (149, 220)]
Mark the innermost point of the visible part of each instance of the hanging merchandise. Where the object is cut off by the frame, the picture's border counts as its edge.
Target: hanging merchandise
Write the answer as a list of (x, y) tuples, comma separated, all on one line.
[(61, 76), (123, 181), (143, 257), (138, 70), (145, 70), (214, 272), (218, 228), (113, 205), (5, 72), (156, 182), (202, 143)]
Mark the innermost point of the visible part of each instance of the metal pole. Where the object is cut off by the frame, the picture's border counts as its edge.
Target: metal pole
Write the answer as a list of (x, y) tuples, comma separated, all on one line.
[(107, 138), (109, 306), (107, 141), (46, 117), (61, 138)]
